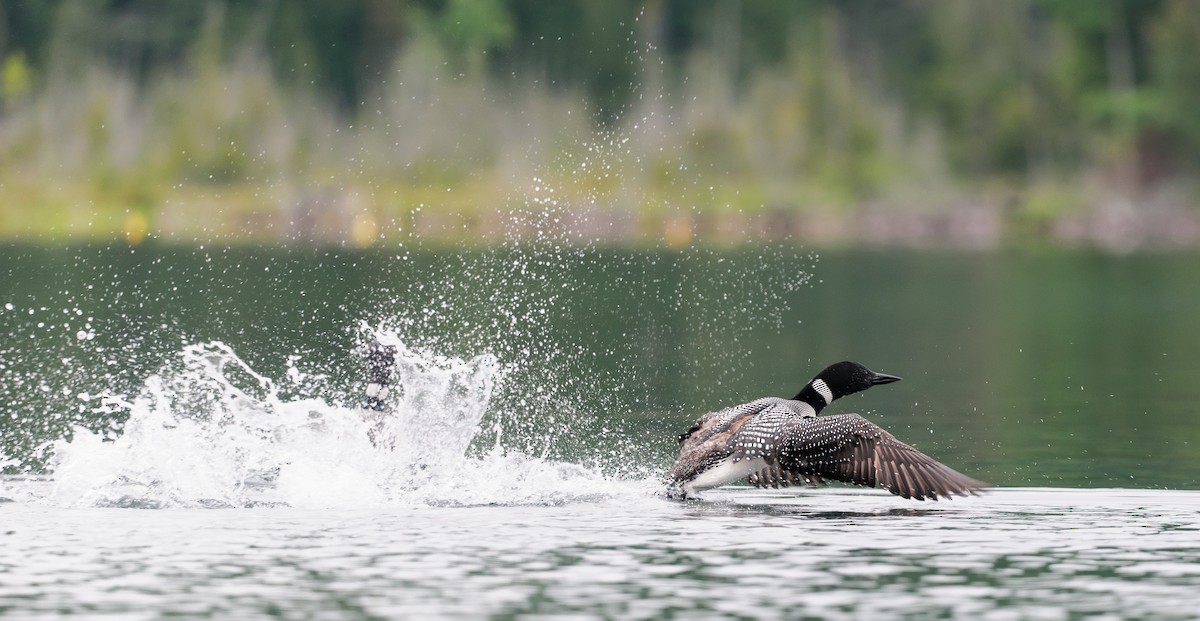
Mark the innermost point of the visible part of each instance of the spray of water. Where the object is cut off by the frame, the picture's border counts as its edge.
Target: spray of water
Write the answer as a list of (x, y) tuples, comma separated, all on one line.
[(209, 431)]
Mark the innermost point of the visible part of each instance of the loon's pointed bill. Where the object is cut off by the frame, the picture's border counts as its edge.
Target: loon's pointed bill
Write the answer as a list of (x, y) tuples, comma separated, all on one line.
[(883, 378), (776, 442)]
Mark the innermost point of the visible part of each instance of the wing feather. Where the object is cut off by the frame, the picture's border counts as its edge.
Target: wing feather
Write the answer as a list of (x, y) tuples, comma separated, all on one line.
[(851, 449)]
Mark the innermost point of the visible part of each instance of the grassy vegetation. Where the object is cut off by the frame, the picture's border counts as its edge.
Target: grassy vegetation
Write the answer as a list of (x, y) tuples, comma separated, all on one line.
[(218, 144)]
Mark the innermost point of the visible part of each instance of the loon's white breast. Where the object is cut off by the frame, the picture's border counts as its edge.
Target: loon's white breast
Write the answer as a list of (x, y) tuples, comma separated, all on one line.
[(726, 471)]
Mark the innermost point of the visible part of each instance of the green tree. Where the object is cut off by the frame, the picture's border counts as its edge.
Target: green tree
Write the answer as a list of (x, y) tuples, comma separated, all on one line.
[(1176, 63)]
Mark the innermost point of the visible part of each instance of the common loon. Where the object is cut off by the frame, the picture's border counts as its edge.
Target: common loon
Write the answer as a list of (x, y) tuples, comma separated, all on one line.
[(774, 442)]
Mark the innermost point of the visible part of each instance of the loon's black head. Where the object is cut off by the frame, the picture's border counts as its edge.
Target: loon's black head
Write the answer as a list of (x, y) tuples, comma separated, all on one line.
[(839, 380)]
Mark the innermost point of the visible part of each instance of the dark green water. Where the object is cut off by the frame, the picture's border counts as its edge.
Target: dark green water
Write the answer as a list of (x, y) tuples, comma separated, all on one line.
[(1058, 368)]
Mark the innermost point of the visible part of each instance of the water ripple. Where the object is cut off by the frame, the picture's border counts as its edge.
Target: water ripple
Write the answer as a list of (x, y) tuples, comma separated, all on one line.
[(1028, 553)]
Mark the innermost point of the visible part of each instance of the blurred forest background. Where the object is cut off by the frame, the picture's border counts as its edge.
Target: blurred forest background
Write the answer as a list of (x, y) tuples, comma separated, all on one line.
[(914, 122)]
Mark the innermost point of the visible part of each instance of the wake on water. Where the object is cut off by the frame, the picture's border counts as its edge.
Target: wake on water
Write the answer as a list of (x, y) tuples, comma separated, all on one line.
[(213, 432), (209, 430)]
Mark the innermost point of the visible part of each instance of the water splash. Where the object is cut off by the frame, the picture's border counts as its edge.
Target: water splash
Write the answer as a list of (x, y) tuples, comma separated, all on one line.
[(553, 354), (210, 431)]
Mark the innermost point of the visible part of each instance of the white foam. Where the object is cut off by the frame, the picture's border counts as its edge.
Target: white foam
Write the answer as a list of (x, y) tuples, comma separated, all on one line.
[(212, 432)]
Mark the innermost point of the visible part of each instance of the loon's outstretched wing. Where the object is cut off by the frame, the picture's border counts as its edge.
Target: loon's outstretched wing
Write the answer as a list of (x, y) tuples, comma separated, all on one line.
[(851, 449)]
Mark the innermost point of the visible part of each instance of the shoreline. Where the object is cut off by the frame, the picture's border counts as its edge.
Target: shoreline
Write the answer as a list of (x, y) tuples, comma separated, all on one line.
[(359, 219), (1115, 226)]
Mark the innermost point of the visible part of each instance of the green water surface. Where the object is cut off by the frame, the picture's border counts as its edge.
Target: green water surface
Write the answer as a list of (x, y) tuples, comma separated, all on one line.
[(1066, 369)]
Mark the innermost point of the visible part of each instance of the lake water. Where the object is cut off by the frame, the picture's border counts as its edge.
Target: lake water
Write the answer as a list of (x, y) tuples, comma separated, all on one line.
[(181, 434), (1032, 553)]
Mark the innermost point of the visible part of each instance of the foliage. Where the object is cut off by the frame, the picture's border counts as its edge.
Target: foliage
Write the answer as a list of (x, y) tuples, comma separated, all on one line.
[(769, 104)]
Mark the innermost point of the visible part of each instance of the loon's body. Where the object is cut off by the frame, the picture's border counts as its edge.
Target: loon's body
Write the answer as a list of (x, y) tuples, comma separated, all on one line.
[(773, 442)]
